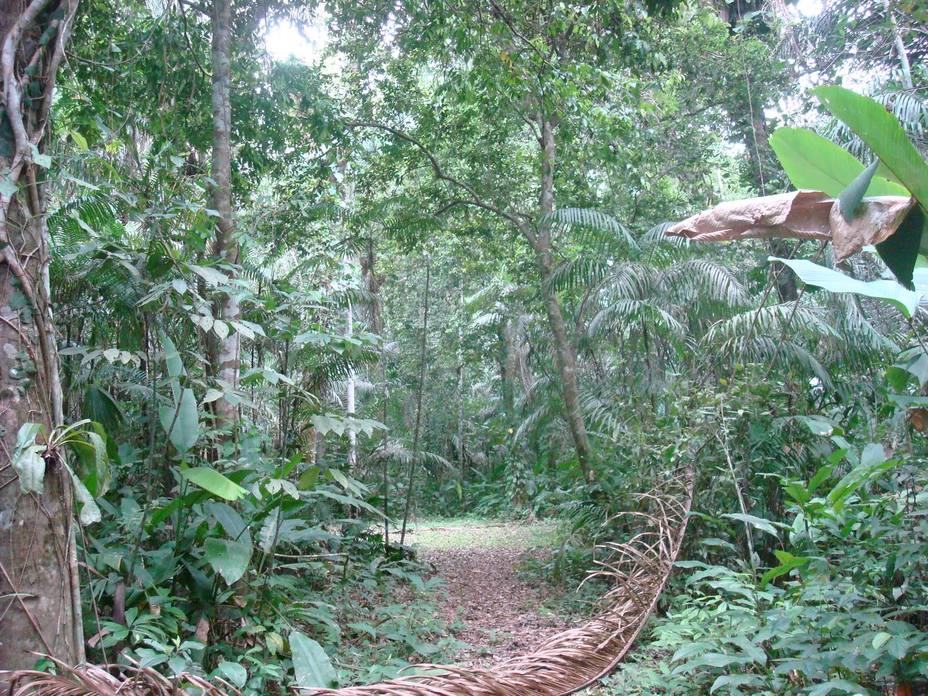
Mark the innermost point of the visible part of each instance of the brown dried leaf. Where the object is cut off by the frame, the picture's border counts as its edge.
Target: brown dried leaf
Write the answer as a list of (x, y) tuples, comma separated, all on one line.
[(798, 215), (876, 220), (801, 214), (202, 632)]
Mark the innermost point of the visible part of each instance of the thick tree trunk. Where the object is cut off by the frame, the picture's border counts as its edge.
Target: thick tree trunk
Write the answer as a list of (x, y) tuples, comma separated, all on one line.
[(225, 352), (565, 357), (39, 594)]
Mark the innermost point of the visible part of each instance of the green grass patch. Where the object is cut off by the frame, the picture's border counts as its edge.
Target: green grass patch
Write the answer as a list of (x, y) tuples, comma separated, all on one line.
[(470, 533)]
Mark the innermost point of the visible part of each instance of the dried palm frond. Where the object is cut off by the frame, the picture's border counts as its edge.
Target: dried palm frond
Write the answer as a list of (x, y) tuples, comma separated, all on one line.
[(111, 680)]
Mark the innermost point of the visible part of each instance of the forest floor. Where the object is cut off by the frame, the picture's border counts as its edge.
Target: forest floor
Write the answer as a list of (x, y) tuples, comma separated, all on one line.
[(485, 600)]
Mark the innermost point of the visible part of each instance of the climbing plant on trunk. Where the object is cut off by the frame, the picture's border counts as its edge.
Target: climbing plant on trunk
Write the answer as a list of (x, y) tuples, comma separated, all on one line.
[(39, 596)]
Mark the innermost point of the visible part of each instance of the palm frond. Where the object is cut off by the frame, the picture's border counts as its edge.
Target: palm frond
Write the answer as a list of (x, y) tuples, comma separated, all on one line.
[(542, 414), (591, 225), (697, 279), (656, 237), (629, 280), (775, 353), (397, 451), (81, 217), (625, 314), (582, 272), (773, 321)]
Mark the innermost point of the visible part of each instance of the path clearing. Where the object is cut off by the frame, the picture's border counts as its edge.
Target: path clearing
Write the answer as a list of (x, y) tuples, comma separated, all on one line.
[(488, 606)]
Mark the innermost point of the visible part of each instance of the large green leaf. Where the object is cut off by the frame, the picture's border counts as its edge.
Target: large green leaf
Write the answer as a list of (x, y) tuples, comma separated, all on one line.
[(101, 407), (883, 133), (833, 281), (816, 163), (233, 671), (228, 558), (788, 562), (214, 482), (90, 512), (873, 462), (228, 518), (90, 449), (171, 357), (27, 459), (181, 421), (311, 665)]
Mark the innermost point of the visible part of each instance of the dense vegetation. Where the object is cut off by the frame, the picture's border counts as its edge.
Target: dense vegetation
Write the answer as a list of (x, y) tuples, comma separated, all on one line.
[(260, 313)]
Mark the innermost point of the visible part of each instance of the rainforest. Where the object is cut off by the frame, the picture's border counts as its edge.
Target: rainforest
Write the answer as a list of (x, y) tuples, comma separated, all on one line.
[(463, 347)]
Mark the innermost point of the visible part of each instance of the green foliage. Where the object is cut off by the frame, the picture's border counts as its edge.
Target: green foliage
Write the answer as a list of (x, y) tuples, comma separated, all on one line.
[(260, 551), (906, 301), (883, 133), (816, 163), (310, 663)]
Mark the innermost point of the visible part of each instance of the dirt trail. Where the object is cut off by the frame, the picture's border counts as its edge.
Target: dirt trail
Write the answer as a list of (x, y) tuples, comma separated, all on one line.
[(489, 607)]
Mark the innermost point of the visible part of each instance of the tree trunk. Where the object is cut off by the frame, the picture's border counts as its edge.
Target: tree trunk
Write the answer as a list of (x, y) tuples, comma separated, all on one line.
[(39, 594), (350, 397), (565, 358), (460, 448), (509, 365), (414, 458), (898, 43), (225, 352), (375, 321)]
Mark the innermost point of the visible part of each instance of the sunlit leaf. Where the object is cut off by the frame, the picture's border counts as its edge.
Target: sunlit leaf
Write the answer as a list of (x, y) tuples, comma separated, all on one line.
[(214, 482), (833, 281)]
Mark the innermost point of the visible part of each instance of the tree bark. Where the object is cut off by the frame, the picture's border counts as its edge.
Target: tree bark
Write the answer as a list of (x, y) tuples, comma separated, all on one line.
[(509, 364), (414, 458), (39, 594), (375, 321), (225, 352), (350, 396), (565, 357), (460, 448)]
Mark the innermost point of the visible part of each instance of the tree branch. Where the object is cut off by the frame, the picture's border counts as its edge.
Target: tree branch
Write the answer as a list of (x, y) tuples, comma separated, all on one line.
[(473, 198)]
